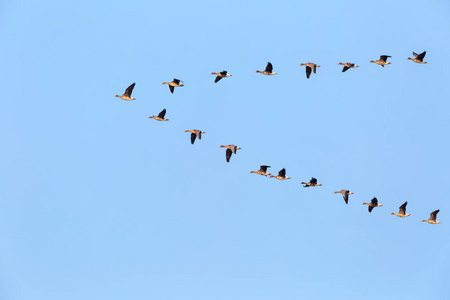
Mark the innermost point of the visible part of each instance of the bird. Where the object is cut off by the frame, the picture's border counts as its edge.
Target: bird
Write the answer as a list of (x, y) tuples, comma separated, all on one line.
[(382, 61), (432, 219), (402, 211), (160, 116), (220, 75), (268, 70), (262, 171), (175, 82), (345, 194), (127, 94), (372, 204), (281, 175), (230, 150), (312, 182), (418, 58), (195, 134), (310, 67), (347, 66)]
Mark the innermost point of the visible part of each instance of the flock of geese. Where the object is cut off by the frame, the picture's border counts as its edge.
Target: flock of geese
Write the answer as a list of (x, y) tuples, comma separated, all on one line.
[(230, 149)]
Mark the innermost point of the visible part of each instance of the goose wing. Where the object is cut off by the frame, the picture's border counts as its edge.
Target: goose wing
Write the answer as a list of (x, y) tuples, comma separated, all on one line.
[(193, 136), (264, 168), (228, 154), (308, 71), (313, 180), (282, 172), (129, 90), (171, 88), (420, 56), (162, 114), (269, 67), (345, 68), (345, 195), (433, 215), (217, 79), (199, 134), (177, 81), (384, 57), (374, 202), (402, 208)]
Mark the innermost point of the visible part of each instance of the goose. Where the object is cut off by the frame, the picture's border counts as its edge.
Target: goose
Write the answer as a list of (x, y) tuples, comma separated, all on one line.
[(312, 182), (195, 134), (310, 67), (382, 61), (230, 150), (432, 219), (160, 116), (372, 204), (347, 66), (262, 171), (268, 70), (345, 194), (281, 175), (175, 82), (418, 58), (402, 211), (220, 75), (127, 94)]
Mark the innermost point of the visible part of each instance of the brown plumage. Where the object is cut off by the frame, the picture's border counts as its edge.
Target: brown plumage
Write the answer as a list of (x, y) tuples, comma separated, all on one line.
[(160, 116), (372, 204), (418, 58), (127, 95), (432, 219), (262, 171), (281, 175), (230, 150), (175, 82), (310, 67), (268, 70), (312, 182), (402, 211), (345, 194)]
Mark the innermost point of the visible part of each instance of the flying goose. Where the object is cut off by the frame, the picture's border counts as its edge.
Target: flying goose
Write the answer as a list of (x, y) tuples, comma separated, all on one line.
[(175, 82), (402, 211), (262, 171), (230, 150), (220, 75), (268, 70), (195, 134), (127, 94), (382, 61), (418, 58), (281, 175), (312, 182), (347, 66), (160, 116), (372, 204), (432, 219), (345, 194), (310, 67)]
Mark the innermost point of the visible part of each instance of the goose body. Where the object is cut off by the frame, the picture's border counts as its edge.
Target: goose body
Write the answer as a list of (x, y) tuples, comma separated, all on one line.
[(262, 171), (432, 219), (345, 194), (230, 150), (402, 211), (372, 204), (220, 75), (418, 58), (347, 66), (382, 61), (268, 70), (127, 95), (312, 182), (160, 116), (195, 134), (310, 67), (175, 82), (281, 175)]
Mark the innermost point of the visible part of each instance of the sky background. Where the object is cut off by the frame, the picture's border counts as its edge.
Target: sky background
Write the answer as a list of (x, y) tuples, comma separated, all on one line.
[(99, 202)]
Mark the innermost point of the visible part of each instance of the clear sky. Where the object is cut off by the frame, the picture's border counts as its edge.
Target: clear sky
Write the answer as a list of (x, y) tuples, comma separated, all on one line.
[(99, 202)]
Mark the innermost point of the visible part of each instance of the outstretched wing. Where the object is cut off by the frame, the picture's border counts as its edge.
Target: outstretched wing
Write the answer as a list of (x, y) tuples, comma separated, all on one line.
[(374, 202), (402, 208), (162, 114), (269, 67), (264, 168), (308, 71), (171, 88), (199, 134), (345, 195), (384, 57), (193, 136), (282, 172), (421, 55), (313, 180), (177, 81), (433, 215), (228, 154), (370, 208), (345, 69), (129, 90), (217, 79)]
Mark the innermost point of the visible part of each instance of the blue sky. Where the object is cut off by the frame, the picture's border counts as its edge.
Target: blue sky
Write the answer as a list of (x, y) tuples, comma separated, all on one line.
[(100, 202)]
